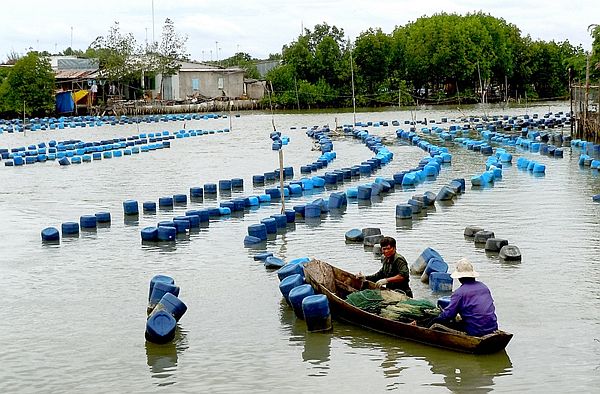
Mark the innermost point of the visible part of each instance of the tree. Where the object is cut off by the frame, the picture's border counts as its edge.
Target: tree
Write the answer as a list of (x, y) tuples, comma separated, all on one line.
[(117, 54), (170, 52), (29, 86), (245, 62)]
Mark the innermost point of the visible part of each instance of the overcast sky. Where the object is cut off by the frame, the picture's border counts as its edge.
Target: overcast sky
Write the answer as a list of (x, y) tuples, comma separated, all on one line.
[(260, 27)]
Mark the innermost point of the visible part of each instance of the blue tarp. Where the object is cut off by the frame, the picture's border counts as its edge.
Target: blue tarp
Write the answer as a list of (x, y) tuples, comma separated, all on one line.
[(64, 102)]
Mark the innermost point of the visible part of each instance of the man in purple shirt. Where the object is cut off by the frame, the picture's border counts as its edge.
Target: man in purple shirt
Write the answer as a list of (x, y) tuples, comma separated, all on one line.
[(473, 301)]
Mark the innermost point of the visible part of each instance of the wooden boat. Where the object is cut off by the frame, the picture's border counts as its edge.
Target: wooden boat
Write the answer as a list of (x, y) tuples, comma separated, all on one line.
[(336, 284)]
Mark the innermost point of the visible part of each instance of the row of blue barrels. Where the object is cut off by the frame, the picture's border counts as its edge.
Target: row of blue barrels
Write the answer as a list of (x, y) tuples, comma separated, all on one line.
[(492, 173), (322, 162), (587, 147), (530, 165), (419, 202), (312, 308), (164, 310), (70, 148), (197, 133), (258, 233), (540, 147), (272, 176), (77, 157), (278, 140), (36, 124), (589, 161), (433, 269), (86, 222)]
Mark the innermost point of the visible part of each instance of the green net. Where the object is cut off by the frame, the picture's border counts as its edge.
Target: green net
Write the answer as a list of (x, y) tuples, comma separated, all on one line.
[(410, 309), (368, 300)]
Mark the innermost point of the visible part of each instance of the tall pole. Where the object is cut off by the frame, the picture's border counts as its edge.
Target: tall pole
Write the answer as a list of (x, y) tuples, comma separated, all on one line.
[(153, 41), (353, 97), (71, 39), (217, 50)]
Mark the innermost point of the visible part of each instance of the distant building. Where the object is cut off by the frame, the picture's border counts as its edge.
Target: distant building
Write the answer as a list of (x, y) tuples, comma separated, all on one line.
[(266, 65), (72, 73), (198, 80)]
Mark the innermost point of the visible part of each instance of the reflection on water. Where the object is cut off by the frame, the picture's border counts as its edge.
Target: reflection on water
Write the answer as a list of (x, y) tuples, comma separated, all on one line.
[(162, 359), (317, 346), (460, 372)]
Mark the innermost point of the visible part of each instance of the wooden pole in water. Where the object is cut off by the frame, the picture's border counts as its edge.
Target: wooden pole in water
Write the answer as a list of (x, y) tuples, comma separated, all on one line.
[(281, 179), (587, 95)]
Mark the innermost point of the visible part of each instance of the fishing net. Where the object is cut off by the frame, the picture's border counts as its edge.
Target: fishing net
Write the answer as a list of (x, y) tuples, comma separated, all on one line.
[(368, 300), (410, 309)]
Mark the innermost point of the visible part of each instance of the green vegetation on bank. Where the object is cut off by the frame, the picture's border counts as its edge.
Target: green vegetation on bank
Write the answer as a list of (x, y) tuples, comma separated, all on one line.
[(439, 59)]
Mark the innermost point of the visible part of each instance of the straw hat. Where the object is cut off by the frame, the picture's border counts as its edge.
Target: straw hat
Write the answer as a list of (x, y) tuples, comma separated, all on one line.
[(464, 269)]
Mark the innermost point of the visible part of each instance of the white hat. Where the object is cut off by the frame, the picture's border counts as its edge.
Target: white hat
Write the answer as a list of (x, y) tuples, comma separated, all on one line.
[(464, 269)]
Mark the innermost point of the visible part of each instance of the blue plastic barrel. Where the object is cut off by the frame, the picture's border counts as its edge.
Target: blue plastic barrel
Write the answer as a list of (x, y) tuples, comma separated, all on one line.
[(167, 233), (196, 192), (70, 228), (237, 183), (262, 256), (88, 221), (149, 234), (297, 295), (179, 198), (258, 230), (210, 188), (436, 265), (440, 282), (50, 234), (290, 269), (225, 184), (270, 224), (165, 202), (354, 235), (273, 262), (364, 192), (250, 240), (149, 206), (103, 217), (312, 210), (443, 302), (280, 220), (288, 283), (258, 179), (404, 211), (337, 200), (130, 207), (173, 305), (315, 309), (160, 327), (159, 289), (290, 215)]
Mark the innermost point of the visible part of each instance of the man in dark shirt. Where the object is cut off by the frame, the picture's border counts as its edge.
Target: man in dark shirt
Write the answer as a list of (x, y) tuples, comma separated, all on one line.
[(394, 271), (473, 301)]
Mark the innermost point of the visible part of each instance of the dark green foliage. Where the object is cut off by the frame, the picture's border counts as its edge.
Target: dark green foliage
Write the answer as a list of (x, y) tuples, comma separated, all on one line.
[(27, 87)]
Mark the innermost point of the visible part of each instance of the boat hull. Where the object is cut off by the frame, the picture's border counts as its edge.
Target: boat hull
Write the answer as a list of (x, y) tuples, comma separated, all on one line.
[(336, 284)]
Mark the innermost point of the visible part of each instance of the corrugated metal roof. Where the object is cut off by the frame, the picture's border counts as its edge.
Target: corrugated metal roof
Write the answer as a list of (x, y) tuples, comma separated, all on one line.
[(76, 74)]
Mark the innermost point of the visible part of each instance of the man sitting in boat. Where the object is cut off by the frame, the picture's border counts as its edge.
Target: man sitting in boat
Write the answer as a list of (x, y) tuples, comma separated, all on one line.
[(473, 301), (394, 271)]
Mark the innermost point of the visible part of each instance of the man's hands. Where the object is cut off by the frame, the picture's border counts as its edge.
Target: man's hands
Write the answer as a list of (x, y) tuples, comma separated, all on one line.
[(381, 282)]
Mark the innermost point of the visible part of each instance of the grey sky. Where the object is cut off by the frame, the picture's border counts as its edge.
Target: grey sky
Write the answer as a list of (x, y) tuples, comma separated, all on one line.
[(261, 27)]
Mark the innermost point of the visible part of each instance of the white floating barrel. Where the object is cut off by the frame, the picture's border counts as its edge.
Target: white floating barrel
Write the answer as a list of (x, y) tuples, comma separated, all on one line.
[(297, 295), (315, 309)]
